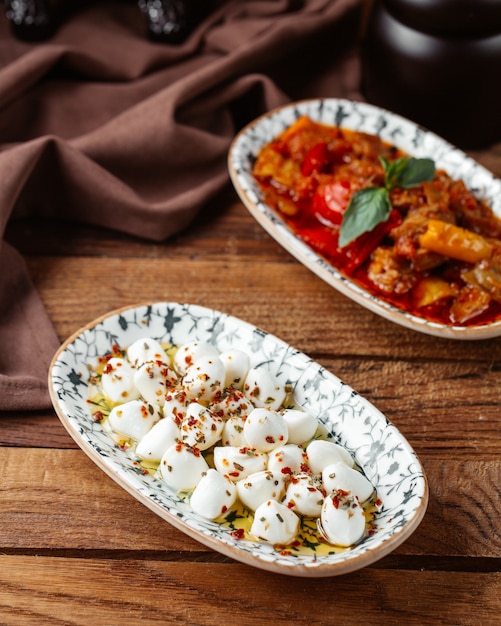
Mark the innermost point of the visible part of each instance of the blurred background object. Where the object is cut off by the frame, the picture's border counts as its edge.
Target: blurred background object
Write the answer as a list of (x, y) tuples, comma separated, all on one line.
[(168, 21), (437, 62)]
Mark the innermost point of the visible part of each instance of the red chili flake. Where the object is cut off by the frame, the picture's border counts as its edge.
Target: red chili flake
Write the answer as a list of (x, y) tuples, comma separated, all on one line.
[(291, 504), (304, 468), (338, 496), (239, 533), (98, 416), (235, 474), (179, 446), (285, 553), (224, 508), (270, 439), (115, 349), (295, 543), (286, 470), (108, 368)]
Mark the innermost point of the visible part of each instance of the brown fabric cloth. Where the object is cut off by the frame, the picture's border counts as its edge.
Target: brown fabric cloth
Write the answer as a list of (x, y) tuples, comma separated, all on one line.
[(101, 126)]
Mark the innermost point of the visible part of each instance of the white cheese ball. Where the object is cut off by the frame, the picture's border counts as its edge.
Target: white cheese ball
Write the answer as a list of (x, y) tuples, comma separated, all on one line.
[(288, 459), (238, 463), (342, 519), (200, 428), (175, 405), (190, 352), (133, 419), (265, 429), (259, 487), (274, 523), (339, 476), (232, 402), (213, 496), (182, 467), (161, 436), (263, 389), (233, 432), (301, 425), (152, 380), (204, 380), (304, 496), (322, 453), (146, 349), (236, 364), (117, 380)]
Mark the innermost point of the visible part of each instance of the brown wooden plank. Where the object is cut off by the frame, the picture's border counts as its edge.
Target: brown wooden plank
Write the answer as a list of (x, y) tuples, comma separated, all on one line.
[(68, 503), (282, 298), (107, 592)]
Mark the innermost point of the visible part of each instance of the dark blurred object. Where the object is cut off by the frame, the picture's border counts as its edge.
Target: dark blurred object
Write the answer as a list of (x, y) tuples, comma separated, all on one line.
[(31, 20), (438, 63), (168, 21)]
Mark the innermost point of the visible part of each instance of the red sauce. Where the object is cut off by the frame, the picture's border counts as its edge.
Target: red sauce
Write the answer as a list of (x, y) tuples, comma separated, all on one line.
[(310, 172)]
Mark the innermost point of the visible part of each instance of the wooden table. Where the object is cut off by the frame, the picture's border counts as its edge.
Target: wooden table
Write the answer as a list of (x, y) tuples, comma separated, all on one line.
[(76, 549)]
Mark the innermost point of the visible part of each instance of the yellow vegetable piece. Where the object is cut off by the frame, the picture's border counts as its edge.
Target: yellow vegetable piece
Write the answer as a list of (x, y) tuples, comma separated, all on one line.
[(431, 290), (455, 242)]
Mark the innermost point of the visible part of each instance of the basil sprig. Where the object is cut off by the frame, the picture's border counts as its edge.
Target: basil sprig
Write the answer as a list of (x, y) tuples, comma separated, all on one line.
[(371, 206)]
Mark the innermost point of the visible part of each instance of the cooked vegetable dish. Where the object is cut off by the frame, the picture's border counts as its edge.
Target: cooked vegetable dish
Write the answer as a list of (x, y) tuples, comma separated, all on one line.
[(408, 233)]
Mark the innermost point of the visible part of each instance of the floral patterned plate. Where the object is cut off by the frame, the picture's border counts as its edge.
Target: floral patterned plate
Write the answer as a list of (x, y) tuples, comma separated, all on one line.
[(378, 447), (398, 131)]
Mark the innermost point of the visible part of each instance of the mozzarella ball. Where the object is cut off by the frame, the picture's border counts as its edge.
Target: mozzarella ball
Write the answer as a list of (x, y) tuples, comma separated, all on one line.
[(146, 349), (133, 419), (200, 428), (263, 389), (304, 496), (213, 496), (238, 463), (233, 432), (301, 425), (236, 365), (161, 436), (275, 523), (342, 519), (288, 459), (204, 380), (322, 453), (339, 476), (182, 467), (152, 380), (232, 402), (259, 487), (265, 429), (117, 380), (175, 405), (190, 352)]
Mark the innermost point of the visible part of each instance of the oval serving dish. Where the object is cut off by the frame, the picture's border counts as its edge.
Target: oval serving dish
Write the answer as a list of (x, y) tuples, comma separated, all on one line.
[(391, 128), (377, 446)]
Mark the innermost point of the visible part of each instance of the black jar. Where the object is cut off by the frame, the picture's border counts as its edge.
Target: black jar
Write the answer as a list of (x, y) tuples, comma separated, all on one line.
[(438, 63)]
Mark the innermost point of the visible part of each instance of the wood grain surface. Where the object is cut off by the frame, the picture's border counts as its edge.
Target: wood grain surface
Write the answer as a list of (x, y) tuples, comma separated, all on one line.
[(76, 549)]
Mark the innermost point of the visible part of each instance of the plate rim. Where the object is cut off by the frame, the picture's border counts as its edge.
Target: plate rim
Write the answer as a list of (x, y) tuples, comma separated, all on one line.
[(249, 558), (283, 234)]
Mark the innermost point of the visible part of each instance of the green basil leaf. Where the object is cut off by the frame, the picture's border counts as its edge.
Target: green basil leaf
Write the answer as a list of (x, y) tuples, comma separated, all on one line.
[(414, 172), (393, 171), (367, 208)]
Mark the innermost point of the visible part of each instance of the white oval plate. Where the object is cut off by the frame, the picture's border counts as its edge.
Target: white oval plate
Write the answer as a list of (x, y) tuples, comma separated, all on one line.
[(378, 447), (390, 127)]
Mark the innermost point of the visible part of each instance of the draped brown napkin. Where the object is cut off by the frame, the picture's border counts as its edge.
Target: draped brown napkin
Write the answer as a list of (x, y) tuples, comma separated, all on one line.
[(102, 126)]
